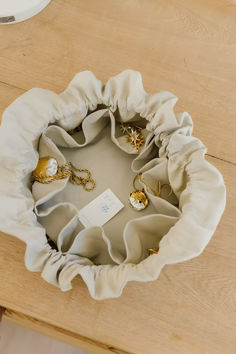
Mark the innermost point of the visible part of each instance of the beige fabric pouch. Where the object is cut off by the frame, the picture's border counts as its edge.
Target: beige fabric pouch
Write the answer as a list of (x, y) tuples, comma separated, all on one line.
[(38, 124)]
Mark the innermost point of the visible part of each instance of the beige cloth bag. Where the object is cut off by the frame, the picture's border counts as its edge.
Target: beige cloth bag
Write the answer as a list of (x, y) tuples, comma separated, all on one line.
[(37, 124)]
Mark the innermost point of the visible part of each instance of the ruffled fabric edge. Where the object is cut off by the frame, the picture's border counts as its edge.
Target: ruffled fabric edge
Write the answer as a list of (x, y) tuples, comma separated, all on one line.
[(201, 196), (93, 243)]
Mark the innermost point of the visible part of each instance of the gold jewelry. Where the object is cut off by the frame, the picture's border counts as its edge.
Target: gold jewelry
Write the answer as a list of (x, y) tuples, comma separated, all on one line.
[(138, 198), (153, 250), (134, 136), (48, 171)]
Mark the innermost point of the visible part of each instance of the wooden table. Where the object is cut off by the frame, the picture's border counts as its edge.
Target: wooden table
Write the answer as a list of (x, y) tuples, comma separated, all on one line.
[(184, 46)]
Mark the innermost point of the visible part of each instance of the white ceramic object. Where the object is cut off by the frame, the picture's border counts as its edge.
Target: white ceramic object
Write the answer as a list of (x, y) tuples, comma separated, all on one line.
[(13, 11)]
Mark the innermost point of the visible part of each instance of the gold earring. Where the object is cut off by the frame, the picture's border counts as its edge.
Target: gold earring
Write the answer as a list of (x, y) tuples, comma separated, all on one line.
[(133, 135), (154, 250)]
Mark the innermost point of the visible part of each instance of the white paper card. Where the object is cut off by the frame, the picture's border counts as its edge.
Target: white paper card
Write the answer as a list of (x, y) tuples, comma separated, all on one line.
[(100, 210)]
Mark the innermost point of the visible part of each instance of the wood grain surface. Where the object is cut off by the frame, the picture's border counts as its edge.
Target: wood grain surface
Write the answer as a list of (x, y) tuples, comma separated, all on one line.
[(58, 333), (189, 48), (16, 339)]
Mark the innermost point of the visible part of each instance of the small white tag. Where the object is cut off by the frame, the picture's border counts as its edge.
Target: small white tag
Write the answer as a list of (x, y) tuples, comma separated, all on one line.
[(100, 210)]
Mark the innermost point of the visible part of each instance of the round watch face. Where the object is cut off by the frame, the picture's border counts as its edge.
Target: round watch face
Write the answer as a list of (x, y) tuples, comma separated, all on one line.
[(138, 200)]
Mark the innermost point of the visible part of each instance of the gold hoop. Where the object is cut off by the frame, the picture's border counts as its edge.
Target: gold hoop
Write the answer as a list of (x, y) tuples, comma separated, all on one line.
[(159, 187)]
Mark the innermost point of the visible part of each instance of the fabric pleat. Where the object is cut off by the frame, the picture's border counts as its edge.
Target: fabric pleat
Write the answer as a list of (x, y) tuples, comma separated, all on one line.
[(38, 124)]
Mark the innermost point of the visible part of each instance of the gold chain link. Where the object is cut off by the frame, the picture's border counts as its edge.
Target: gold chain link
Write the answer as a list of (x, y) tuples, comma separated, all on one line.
[(64, 172)]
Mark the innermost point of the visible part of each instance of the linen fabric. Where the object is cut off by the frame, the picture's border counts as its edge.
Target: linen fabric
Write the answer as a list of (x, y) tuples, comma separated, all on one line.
[(39, 123)]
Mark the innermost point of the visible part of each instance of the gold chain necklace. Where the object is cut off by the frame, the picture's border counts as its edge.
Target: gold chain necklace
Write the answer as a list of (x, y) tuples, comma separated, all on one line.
[(48, 171)]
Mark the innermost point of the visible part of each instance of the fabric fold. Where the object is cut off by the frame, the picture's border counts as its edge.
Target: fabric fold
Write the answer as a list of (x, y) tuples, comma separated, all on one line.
[(39, 122)]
